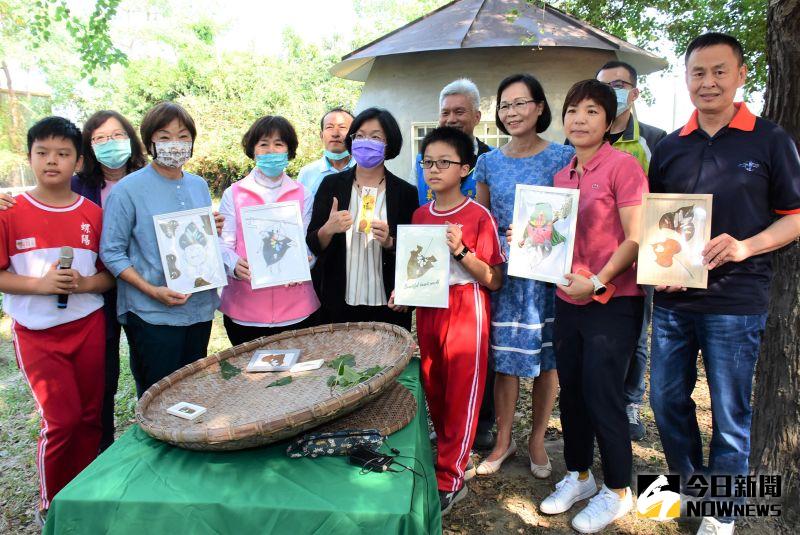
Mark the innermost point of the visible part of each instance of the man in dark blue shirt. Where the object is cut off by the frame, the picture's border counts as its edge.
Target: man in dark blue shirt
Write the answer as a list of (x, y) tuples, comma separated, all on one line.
[(752, 168)]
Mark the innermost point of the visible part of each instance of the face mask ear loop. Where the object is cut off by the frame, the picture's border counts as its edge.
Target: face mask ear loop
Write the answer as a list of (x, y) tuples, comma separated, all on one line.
[(155, 152)]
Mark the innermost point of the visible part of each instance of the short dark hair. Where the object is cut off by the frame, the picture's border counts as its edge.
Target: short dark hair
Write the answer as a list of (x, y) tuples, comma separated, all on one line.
[(337, 109), (615, 65), (394, 139), (596, 91), (160, 116), (714, 38), (268, 125), (537, 94), (454, 137), (92, 173), (54, 126)]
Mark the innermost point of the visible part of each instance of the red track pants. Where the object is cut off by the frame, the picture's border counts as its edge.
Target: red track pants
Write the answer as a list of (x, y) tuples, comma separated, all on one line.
[(64, 368), (454, 346)]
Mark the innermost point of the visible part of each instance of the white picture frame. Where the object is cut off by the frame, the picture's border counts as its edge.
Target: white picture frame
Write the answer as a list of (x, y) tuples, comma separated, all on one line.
[(543, 235), (186, 410), (275, 242), (675, 228), (422, 272), (189, 250), (273, 360)]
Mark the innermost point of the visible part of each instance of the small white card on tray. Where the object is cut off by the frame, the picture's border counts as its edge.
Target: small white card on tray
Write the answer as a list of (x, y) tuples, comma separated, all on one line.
[(307, 366), (273, 360), (187, 411)]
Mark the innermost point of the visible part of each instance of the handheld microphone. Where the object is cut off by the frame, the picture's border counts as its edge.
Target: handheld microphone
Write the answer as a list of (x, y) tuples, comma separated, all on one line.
[(65, 262)]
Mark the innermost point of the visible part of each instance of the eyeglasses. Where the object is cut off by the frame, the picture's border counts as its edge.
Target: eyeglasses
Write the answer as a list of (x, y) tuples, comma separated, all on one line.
[(619, 84), (362, 137), (518, 105), (440, 164), (116, 136)]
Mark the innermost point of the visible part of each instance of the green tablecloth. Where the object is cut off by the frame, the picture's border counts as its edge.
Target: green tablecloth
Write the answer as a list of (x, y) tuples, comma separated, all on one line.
[(143, 486)]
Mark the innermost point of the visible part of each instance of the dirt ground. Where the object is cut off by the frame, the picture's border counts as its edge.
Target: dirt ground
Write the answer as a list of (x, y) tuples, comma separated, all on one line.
[(503, 503)]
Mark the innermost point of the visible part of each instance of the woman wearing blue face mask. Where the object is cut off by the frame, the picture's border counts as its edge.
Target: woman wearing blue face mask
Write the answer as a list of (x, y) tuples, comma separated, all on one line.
[(354, 225), (111, 150), (249, 314)]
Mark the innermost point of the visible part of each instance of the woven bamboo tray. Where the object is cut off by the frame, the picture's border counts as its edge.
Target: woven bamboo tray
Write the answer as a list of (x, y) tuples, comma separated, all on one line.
[(243, 413), (391, 411)]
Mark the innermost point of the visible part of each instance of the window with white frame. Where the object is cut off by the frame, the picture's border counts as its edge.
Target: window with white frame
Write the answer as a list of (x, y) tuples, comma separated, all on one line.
[(486, 131)]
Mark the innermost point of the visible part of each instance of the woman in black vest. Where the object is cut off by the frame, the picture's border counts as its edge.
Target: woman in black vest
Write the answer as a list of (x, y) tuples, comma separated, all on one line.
[(354, 225)]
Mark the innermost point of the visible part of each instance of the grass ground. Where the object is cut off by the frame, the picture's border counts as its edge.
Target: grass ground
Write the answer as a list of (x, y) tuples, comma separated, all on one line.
[(504, 503)]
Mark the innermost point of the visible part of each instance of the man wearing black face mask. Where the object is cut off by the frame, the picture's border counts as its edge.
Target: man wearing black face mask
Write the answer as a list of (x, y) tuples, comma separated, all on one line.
[(630, 135)]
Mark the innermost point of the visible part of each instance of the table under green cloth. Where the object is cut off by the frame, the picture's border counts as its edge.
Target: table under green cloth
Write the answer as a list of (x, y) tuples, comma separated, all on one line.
[(143, 486)]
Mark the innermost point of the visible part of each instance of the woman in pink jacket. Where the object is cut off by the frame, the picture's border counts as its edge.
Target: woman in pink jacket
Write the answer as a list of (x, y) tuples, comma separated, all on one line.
[(249, 314)]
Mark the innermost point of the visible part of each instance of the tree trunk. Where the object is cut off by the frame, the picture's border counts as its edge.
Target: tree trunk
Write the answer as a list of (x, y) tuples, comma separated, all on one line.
[(776, 415), (13, 110)]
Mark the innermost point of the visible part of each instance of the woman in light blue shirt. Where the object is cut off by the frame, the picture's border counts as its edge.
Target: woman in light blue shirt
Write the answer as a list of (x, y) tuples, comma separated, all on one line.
[(166, 329)]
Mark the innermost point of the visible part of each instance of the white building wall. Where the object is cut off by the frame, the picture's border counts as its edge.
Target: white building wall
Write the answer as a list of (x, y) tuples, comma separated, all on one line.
[(408, 85)]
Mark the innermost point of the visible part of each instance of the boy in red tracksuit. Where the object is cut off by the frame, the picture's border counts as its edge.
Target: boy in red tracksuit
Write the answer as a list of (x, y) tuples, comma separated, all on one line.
[(59, 344), (454, 341)]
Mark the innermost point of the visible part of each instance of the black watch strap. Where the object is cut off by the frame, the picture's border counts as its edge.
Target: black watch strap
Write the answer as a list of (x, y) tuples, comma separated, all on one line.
[(460, 256)]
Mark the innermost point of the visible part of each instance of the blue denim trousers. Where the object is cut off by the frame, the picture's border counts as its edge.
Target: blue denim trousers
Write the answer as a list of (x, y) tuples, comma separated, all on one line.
[(730, 346)]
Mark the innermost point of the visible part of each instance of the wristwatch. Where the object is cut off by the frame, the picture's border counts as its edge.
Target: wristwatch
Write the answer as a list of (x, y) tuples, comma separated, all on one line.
[(460, 256), (599, 287)]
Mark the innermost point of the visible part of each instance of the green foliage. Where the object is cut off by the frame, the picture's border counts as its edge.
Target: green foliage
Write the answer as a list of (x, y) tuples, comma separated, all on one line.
[(91, 37), (282, 381), (225, 92), (348, 359), (648, 23), (228, 370)]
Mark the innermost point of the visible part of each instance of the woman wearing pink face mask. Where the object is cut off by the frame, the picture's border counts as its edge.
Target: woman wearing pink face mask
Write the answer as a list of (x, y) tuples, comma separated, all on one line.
[(354, 225)]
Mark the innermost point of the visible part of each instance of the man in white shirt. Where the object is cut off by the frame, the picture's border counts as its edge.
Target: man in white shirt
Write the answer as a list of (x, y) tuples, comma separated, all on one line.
[(333, 130)]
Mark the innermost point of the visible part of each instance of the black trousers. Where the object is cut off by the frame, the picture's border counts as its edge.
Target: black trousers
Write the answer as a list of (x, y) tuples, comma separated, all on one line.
[(159, 350), (593, 345), (112, 381), (239, 334), (486, 416), (383, 314)]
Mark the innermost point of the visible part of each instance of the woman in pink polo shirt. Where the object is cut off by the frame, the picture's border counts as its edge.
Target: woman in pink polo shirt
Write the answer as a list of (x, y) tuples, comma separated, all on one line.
[(599, 313), (249, 314)]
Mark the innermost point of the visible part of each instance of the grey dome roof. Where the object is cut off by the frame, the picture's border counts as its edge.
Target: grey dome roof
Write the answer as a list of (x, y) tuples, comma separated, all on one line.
[(465, 24)]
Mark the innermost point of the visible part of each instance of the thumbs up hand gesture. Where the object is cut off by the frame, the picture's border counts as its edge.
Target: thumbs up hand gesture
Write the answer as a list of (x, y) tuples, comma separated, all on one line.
[(338, 220)]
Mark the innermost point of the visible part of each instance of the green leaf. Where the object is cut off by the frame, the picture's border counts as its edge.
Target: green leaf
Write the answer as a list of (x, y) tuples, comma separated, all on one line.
[(280, 382), (348, 359), (349, 375), (228, 370)]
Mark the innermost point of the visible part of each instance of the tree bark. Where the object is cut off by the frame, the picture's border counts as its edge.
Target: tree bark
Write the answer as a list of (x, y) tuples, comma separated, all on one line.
[(776, 414), (13, 131)]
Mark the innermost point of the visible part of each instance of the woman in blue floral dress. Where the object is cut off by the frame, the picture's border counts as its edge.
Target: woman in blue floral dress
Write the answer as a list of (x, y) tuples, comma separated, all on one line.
[(522, 310)]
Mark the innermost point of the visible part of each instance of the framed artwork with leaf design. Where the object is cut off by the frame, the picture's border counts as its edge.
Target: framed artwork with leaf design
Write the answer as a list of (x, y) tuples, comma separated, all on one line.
[(675, 228), (422, 274), (189, 250)]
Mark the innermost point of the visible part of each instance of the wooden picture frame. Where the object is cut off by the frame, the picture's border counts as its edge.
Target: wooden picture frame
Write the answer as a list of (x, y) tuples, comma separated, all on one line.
[(543, 233), (674, 229)]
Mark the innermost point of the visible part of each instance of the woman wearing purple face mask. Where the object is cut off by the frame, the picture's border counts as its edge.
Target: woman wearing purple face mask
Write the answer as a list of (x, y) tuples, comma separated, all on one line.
[(354, 225)]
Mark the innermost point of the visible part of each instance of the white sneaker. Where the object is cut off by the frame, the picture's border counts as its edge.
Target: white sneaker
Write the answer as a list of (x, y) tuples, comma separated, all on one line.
[(568, 491), (712, 526), (602, 510)]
